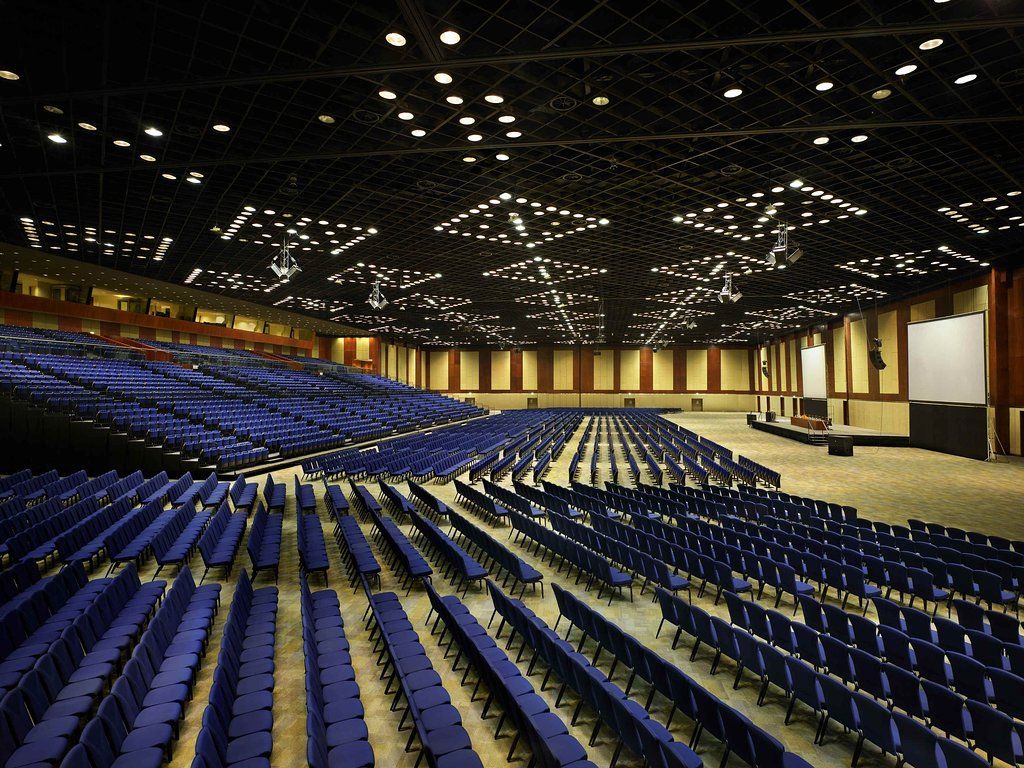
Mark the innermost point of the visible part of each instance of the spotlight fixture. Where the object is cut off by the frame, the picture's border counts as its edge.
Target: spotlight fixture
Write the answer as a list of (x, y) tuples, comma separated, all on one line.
[(284, 264), (769, 259), (450, 37), (600, 101), (728, 293), (396, 39), (377, 300)]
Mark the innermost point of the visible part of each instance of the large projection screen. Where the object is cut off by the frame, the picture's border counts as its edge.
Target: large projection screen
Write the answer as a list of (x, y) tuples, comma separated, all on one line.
[(812, 365), (946, 360)]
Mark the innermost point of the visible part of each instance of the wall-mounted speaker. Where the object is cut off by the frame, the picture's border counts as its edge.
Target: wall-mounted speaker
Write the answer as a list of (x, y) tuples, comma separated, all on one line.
[(764, 370), (875, 356)]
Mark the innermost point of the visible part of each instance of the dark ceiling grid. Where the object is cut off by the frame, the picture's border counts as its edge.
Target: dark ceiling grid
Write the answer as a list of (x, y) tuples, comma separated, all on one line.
[(626, 181)]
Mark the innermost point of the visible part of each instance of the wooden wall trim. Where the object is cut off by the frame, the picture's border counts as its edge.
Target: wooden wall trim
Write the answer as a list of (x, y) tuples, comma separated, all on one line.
[(19, 302)]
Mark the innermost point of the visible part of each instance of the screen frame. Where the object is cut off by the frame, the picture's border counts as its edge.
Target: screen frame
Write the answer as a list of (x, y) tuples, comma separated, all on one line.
[(984, 350)]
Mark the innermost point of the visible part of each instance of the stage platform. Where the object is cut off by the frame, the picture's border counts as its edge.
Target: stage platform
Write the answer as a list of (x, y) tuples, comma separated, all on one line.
[(860, 435)]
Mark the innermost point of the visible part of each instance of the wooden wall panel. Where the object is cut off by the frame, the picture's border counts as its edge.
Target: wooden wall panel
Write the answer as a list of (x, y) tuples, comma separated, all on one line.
[(438, 373), (629, 370), (484, 365), (858, 353), (714, 369), (663, 370), (679, 370), (646, 369), (604, 371), (469, 370), (529, 368), (889, 378), (697, 370), (563, 370), (501, 370)]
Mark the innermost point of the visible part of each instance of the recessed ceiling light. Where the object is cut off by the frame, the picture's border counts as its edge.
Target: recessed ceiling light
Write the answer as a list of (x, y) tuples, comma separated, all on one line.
[(405, 115), (501, 156), (881, 93), (195, 174), (467, 120), (493, 98), (326, 119), (170, 176), (148, 158), (928, 45), (732, 93), (443, 78), (396, 39), (825, 85), (906, 69), (600, 101), (6, 74), (151, 131), (418, 132), (453, 99), (56, 138), (859, 138), (53, 110), (506, 119), (964, 79), (122, 143), (87, 126), (821, 140), (192, 180), (469, 159), (450, 37), (474, 137), (387, 95), (513, 134), (221, 128), (796, 183)]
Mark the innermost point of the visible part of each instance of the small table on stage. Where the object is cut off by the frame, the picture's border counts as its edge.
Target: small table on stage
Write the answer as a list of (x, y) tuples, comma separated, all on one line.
[(809, 422)]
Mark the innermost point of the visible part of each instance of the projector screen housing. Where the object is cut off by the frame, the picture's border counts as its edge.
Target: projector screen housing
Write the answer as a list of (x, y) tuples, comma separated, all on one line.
[(946, 360), (812, 366)]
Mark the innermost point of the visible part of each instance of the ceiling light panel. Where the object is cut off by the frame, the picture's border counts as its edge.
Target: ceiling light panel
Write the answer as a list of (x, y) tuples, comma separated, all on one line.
[(555, 298), (520, 221), (309, 304), (231, 281), (428, 301), (321, 234), (367, 274), (545, 271), (75, 239)]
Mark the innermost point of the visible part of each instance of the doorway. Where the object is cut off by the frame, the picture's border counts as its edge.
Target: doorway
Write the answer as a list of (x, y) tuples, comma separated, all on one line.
[(697, 404), (531, 402), (629, 402)]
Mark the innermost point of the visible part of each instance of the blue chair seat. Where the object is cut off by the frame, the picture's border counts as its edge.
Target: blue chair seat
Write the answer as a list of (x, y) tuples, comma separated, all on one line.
[(439, 716), (259, 744), (161, 713), (144, 758), (253, 702), (452, 738), (343, 709), (356, 754), (151, 736), (346, 731), (253, 722), (49, 751)]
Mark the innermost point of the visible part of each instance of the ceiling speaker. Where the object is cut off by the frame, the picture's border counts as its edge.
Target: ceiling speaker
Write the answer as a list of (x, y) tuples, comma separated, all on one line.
[(875, 356)]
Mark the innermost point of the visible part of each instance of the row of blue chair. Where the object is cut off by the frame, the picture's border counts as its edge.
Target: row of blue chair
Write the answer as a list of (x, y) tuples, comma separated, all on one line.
[(830, 699), (706, 711), (543, 731), (399, 551), (312, 549), (138, 722), (274, 495), (238, 723), (493, 554), (436, 723), (62, 687), (355, 550), (334, 498), (243, 494), (305, 499), (587, 563), (178, 540), (264, 545), (206, 494), (335, 728), (219, 543), (480, 502), (631, 723), (459, 565)]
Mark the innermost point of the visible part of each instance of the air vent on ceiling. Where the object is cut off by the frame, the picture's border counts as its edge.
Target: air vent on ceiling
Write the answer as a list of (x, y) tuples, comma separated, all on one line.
[(366, 116), (731, 170), (572, 176), (191, 131), (162, 199), (685, 247), (562, 103), (1012, 77)]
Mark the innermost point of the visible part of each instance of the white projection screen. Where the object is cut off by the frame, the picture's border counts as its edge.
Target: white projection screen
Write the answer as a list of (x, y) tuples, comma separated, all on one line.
[(946, 360), (812, 366)]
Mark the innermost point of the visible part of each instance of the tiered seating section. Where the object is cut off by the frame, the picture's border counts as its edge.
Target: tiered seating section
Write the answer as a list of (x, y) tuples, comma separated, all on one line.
[(226, 416), (95, 673)]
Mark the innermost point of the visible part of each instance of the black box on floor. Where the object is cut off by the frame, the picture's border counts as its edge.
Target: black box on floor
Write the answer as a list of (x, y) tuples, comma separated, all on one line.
[(751, 418), (840, 445)]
